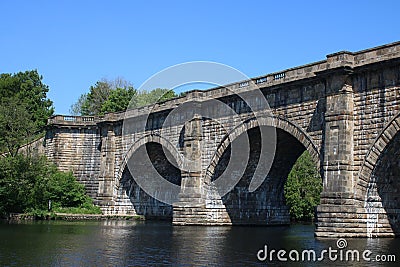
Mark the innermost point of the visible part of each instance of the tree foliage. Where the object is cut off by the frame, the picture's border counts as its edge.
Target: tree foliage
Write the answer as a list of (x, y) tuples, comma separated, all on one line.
[(76, 108), (303, 188), (24, 108), (154, 96), (118, 100), (116, 95), (16, 125), (98, 94), (29, 89)]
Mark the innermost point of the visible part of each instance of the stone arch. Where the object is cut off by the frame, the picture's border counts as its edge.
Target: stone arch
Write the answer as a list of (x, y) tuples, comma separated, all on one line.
[(129, 195), (149, 138), (273, 121), (375, 152), (379, 184), (264, 205)]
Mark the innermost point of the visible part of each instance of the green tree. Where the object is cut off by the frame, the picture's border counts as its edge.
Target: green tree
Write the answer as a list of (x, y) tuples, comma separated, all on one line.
[(17, 179), (16, 125), (76, 108), (154, 96), (95, 99), (303, 188), (105, 96), (24, 109), (116, 95), (119, 100), (28, 88)]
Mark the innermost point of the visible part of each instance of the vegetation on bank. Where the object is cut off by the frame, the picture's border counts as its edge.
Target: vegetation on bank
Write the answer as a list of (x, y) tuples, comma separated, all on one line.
[(29, 183), (33, 185)]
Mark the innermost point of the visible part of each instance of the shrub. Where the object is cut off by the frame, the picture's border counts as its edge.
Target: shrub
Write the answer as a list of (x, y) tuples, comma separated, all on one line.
[(28, 183)]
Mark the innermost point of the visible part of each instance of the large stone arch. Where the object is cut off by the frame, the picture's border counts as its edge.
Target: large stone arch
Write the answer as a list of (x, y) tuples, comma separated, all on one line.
[(264, 205), (375, 152), (271, 121), (148, 138), (128, 194), (379, 182)]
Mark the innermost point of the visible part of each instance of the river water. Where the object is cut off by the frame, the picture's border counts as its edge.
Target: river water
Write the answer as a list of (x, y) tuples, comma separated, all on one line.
[(129, 243)]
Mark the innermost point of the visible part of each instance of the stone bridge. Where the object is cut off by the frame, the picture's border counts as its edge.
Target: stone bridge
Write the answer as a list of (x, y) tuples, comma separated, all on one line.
[(344, 110)]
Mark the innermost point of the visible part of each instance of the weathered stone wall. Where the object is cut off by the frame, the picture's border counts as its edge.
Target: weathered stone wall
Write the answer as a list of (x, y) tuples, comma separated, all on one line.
[(352, 210), (76, 148), (376, 103)]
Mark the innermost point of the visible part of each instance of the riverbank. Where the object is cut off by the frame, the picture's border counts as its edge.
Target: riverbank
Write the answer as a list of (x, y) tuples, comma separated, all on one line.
[(73, 217)]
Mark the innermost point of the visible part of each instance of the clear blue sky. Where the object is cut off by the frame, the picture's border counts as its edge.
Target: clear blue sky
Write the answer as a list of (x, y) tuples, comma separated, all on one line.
[(73, 44)]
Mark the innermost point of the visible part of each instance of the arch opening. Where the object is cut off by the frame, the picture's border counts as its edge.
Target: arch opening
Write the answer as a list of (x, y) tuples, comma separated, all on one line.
[(266, 205), (384, 190), (140, 169)]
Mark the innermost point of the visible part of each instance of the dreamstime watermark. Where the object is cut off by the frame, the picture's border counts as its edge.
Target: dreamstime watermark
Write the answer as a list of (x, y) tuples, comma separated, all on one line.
[(339, 253), (168, 128)]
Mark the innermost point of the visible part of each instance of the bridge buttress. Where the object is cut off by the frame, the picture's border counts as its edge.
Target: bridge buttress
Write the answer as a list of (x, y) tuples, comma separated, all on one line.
[(191, 208), (338, 204), (107, 167), (110, 198)]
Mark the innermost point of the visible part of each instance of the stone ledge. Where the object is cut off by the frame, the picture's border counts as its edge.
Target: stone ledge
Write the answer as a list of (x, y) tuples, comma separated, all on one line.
[(96, 217)]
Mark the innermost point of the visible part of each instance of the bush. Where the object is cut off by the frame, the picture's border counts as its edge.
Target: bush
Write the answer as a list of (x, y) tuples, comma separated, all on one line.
[(28, 183)]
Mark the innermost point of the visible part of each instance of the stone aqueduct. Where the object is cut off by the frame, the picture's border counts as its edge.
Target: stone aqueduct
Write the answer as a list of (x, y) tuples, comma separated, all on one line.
[(344, 110)]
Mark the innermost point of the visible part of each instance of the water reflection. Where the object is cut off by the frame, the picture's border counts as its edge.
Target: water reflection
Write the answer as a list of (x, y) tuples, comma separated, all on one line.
[(206, 245), (126, 243)]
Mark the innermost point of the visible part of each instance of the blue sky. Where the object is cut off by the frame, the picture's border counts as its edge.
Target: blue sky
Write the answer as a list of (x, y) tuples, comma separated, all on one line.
[(73, 44)]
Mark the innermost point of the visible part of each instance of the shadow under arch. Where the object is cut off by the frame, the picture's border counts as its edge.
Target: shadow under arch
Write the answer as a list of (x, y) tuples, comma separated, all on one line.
[(269, 121), (379, 181), (378, 146), (266, 205), (148, 138), (163, 159)]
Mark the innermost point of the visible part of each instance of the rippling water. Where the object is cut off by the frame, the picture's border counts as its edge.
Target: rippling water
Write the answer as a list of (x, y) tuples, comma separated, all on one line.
[(126, 243)]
